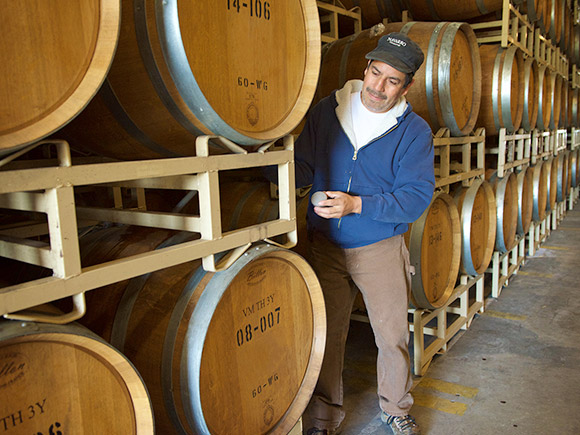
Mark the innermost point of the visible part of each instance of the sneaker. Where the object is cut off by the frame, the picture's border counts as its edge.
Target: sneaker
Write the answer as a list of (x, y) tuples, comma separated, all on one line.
[(316, 431), (401, 425)]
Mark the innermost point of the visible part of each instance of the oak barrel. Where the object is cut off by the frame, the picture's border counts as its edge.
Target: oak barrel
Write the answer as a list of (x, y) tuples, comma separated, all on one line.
[(375, 11), (64, 379), (245, 71), (249, 202), (562, 168), (564, 104), (545, 98), (439, 10), (53, 58), (570, 161), (555, 102), (556, 20), (525, 179), (434, 242), (535, 10), (531, 94), (447, 88), (572, 117), (502, 89), (232, 352), (541, 175), (476, 206), (552, 168), (506, 200), (573, 168)]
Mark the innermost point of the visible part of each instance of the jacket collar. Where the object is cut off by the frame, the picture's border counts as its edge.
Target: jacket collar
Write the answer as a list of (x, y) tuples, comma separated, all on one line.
[(343, 109)]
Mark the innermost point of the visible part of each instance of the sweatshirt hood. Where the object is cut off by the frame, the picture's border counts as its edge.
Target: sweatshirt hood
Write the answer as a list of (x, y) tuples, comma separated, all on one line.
[(343, 110)]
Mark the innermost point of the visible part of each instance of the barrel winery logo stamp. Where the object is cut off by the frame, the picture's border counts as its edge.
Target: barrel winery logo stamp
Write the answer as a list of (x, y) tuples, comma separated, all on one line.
[(269, 411), (13, 367), (252, 114), (256, 276)]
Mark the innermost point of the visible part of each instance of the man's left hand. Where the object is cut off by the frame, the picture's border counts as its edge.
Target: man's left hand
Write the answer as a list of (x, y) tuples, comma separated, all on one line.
[(338, 204)]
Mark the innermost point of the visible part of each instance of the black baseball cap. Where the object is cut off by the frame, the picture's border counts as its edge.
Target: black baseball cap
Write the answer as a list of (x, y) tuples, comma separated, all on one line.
[(399, 51)]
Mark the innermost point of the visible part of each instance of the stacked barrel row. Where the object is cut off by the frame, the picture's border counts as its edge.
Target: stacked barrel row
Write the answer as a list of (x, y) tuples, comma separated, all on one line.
[(463, 86)]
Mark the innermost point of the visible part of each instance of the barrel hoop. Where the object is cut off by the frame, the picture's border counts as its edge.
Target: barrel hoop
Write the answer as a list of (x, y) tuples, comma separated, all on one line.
[(429, 70), (505, 91), (537, 213), (444, 78), (125, 121), (502, 185), (527, 122), (561, 183), (467, 213), (495, 89), (176, 58), (541, 76), (574, 168), (123, 316), (506, 94), (522, 226), (169, 348), (130, 296), (196, 333), (152, 70)]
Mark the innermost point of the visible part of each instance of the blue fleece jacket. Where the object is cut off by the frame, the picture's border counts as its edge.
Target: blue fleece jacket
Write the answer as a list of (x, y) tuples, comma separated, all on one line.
[(393, 174)]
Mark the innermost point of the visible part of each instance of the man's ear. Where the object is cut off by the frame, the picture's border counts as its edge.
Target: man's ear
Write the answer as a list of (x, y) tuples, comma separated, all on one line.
[(367, 68), (408, 87)]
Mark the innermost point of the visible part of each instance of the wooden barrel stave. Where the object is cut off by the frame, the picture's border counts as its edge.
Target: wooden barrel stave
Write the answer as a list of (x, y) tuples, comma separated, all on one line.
[(506, 196), (443, 98), (525, 179), (502, 93), (476, 206), (440, 10), (183, 339), (531, 97), (562, 184), (540, 190), (552, 182), (52, 79), (76, 382), (557, 83), (245, 203), (573, 168), (545, 98), (250, 79), (434, 242)]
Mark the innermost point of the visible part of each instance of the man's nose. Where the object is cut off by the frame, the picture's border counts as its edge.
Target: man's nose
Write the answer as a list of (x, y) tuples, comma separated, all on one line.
[(381, 85)]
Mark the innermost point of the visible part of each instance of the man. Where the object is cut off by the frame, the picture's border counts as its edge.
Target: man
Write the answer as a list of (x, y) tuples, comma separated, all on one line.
[(373, 157)]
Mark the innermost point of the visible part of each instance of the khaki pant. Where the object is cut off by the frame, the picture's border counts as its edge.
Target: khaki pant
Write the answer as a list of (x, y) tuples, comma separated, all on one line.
[(381, 272)]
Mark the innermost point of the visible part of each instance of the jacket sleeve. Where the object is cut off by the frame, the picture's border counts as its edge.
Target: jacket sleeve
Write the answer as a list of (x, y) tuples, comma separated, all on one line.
[(413, 186), (304, 152)]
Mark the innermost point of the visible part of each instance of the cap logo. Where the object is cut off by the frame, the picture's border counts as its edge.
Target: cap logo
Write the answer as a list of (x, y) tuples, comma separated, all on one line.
[(397, 42)]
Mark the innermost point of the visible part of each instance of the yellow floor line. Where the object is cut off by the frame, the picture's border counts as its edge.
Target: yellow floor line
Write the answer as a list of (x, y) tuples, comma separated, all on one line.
[(448, 387), (504, 315), (439, 404), (555, 248), (538, 274)]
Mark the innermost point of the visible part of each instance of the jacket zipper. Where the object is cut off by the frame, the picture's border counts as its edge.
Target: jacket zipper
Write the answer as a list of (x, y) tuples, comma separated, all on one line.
[(355, 155)]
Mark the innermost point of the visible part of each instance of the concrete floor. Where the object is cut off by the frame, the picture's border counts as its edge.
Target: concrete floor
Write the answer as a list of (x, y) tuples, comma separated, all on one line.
[(516, 370)]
